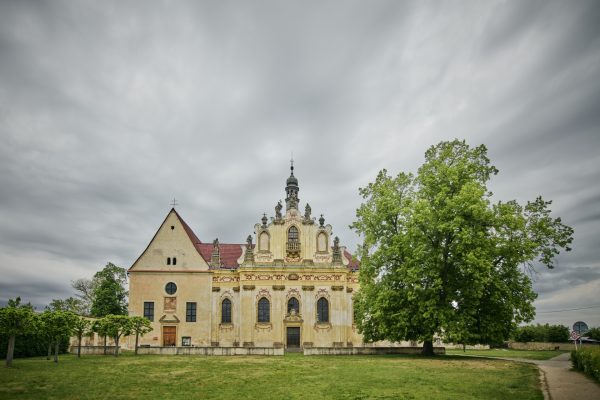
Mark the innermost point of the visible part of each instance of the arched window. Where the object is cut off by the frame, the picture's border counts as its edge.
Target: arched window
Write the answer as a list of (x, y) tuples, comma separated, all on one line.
[(226, 311), (293, 234), (322, 310), (293, 304), (264, 310)]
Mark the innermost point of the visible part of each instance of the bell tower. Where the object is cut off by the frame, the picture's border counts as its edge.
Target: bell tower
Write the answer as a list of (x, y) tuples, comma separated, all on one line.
[(291, 189)]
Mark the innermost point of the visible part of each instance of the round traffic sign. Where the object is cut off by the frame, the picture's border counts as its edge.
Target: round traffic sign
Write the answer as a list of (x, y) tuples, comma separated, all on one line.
[(580, 327)]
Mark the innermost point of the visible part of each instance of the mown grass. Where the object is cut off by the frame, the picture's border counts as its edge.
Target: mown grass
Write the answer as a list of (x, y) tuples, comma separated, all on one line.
[(292, 376), (508, 353)]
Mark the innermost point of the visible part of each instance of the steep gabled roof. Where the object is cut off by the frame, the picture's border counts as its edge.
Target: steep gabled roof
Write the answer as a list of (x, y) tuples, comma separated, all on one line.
[(188, 230), (193, 238)]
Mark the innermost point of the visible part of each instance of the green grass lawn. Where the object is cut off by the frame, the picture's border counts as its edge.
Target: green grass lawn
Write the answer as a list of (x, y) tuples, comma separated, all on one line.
[(528, 354), (246, 377)]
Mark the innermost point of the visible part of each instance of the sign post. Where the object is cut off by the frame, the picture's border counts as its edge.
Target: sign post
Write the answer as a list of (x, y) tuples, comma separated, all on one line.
[(575, 337)]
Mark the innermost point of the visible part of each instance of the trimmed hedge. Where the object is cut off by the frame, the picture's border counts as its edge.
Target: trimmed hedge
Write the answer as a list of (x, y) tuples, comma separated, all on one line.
[(588, 361)]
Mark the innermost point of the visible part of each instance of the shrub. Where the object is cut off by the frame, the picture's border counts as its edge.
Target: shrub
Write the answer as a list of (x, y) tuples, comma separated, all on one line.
[(587, 359)]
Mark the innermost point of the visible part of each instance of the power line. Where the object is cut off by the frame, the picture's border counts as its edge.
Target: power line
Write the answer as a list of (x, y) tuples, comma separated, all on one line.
[(568, 309)]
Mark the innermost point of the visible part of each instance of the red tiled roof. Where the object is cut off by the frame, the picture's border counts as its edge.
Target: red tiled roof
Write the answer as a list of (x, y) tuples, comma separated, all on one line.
[(229, 253)]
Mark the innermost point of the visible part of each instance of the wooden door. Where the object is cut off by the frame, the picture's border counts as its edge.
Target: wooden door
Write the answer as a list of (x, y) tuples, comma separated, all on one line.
[(293, 336), (169, 335)]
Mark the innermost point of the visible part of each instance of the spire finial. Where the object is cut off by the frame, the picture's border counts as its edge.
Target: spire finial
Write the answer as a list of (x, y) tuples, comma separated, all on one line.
[(174, 202), (292, 163)]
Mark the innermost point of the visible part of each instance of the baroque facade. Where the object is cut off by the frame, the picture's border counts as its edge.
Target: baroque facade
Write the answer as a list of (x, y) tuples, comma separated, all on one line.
[(290, 285)]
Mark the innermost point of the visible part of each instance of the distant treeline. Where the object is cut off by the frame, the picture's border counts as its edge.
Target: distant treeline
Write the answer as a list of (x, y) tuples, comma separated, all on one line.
[(542, 333)]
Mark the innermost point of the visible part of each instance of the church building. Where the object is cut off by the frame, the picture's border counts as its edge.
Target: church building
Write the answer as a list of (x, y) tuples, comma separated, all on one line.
[(289, 286)]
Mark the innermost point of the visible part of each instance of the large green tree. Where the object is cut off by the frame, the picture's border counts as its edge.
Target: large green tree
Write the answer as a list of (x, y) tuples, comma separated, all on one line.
[(440, 259), (109, 294), (16, 319)]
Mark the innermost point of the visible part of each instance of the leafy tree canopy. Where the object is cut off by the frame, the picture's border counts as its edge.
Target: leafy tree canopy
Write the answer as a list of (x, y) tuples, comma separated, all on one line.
[(109, 294), (440, 259), (70, 304)]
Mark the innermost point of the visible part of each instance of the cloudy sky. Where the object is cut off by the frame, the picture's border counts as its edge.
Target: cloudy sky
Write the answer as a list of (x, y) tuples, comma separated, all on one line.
[(110, 110)]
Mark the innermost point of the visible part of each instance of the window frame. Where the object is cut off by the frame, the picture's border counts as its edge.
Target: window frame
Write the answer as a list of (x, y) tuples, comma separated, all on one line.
[(171, 286), (263, 315), (296, 232), (148, 311), (226, 313), (191, 308), (322, 305)]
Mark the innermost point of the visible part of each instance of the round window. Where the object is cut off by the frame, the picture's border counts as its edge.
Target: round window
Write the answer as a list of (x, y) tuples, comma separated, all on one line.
[(171, 288)]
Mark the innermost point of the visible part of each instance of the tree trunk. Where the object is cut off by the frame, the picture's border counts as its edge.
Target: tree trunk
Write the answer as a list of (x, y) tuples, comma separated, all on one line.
[(427, 348), (79, 346), (136, 342), (56, 345), (10, 351), (116, 346), (464, 348), (49, 350), (104, 344)]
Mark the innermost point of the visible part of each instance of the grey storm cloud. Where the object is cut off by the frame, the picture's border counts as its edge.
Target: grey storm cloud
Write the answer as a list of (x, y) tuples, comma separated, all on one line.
[(109, 110)]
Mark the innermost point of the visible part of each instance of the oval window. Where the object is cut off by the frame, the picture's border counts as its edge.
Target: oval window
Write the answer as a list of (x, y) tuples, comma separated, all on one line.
[(171, 288)]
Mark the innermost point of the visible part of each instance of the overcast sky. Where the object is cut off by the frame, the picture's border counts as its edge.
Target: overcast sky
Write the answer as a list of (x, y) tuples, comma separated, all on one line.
[(109, 110)]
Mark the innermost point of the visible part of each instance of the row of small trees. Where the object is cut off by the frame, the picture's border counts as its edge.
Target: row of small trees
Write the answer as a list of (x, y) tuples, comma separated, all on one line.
[(52, 327), (117, 326)]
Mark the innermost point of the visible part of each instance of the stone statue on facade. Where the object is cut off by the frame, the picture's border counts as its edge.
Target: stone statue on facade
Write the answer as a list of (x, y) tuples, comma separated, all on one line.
[(249, 256), (337, 253), (307, 211), (215, 258), (278, 208)]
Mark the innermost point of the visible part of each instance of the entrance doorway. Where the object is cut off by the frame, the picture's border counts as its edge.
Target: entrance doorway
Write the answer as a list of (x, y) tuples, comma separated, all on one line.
[(293, 336), (169, 335)]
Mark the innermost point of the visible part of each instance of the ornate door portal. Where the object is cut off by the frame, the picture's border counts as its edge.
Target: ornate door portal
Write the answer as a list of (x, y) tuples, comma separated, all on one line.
[(169, 335), (293, 336)]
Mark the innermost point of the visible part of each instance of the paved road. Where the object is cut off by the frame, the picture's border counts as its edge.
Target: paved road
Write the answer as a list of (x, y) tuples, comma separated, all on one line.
[(560, 383)]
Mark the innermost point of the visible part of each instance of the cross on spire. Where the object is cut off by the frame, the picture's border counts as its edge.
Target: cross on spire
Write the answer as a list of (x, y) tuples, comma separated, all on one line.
[(174, 202)]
